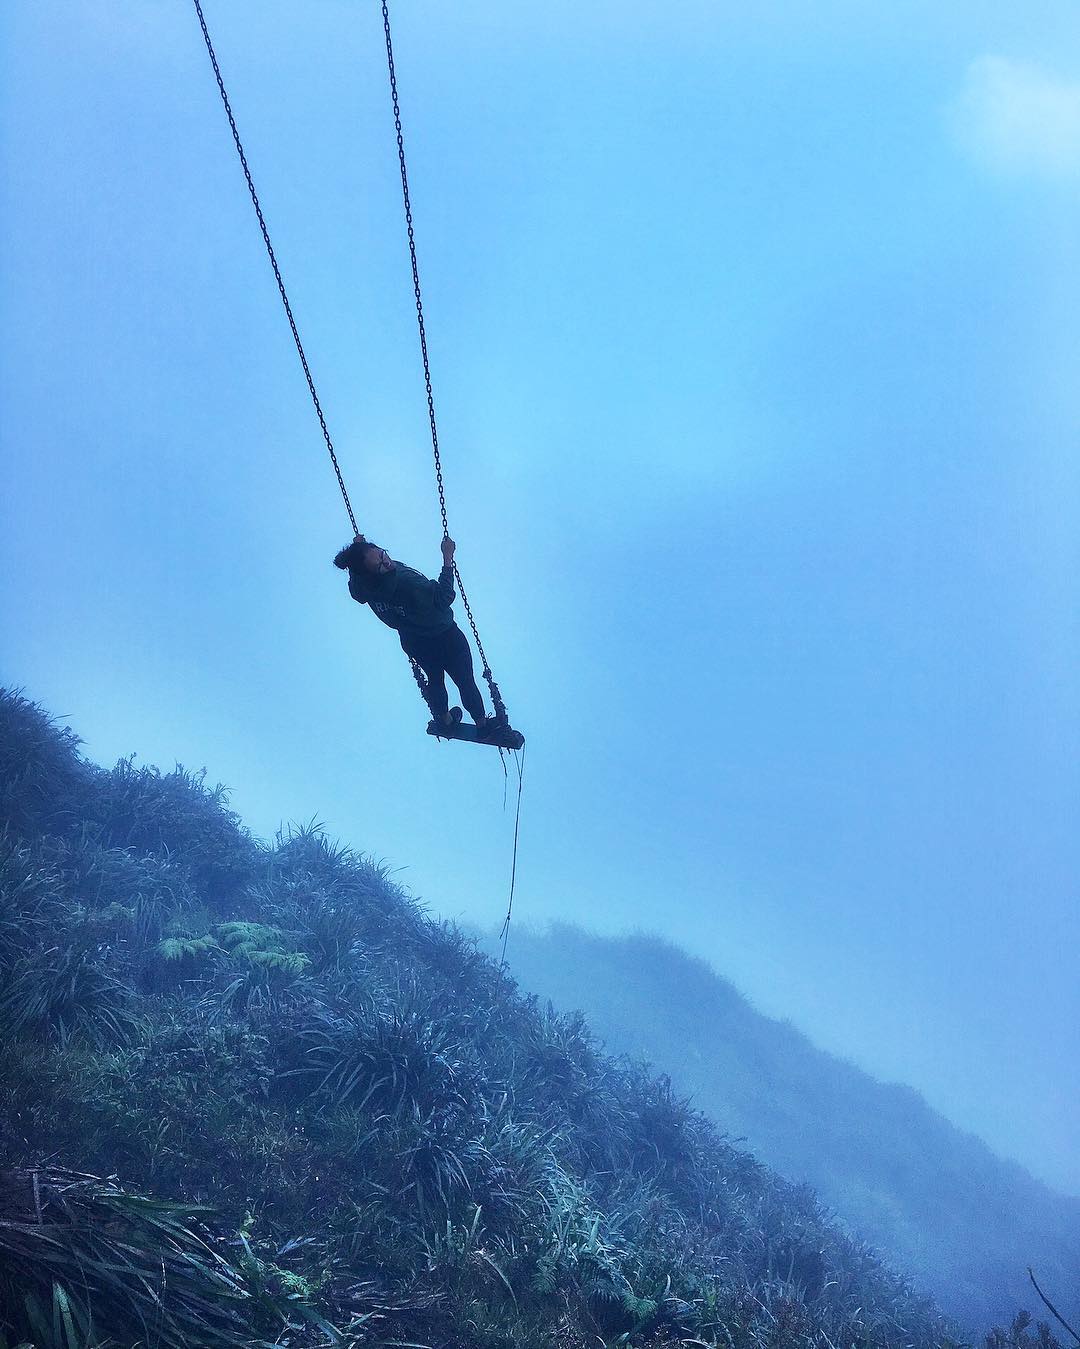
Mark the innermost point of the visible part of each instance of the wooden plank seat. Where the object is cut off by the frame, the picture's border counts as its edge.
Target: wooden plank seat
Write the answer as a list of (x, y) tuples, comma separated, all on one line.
[(505, 737)]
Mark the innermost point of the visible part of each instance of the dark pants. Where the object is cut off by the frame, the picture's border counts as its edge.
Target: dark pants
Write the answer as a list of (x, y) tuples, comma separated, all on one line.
[(447, 653)]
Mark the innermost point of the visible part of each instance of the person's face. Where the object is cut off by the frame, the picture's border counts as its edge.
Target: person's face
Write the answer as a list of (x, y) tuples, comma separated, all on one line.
[(378, 560)]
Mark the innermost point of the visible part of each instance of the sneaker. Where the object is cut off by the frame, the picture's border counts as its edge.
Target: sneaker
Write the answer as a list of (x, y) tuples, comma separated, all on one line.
[(490, 725), (447, 723)]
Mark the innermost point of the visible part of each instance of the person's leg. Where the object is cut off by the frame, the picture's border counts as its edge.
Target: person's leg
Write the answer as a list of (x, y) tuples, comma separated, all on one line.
[(429, 658), (457, 657)]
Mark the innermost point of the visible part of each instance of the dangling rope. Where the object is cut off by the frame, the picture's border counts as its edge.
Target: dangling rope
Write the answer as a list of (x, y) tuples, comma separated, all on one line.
[(496, 696), (519, 760), (274, 263)]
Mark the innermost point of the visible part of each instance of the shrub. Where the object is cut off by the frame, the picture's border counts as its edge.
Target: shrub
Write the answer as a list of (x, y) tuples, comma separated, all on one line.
[(63, 989), (44, 784), (105, 1258), (177, 815)]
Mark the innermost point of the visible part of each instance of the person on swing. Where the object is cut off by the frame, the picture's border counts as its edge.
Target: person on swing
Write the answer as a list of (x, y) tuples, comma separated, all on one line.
[(419, 611)]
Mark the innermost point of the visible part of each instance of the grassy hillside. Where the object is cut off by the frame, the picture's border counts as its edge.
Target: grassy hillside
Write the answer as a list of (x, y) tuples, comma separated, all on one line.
[(252, 1095), (965, 1223)]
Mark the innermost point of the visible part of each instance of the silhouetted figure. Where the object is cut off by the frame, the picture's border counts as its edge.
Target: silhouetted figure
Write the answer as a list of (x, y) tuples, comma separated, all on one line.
[(418, 609)]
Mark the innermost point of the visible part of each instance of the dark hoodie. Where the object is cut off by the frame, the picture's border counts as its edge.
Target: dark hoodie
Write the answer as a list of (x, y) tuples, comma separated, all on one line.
[(405, 600)]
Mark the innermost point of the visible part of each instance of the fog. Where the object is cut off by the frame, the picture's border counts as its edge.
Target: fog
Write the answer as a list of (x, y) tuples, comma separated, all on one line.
[(754, 343)]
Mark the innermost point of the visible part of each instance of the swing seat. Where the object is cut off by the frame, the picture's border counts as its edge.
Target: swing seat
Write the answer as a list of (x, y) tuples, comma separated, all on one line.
[(504, 738)]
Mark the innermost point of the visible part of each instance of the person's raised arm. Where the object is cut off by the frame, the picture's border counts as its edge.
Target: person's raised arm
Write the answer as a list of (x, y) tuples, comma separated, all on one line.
[(444, 586)]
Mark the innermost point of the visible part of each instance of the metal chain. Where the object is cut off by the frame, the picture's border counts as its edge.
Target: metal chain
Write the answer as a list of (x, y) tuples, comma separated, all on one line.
[(421, 682), (496, 696), (274, 264)]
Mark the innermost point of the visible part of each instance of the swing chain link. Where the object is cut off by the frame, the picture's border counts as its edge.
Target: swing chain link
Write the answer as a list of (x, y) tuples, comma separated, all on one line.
[(496, 696), (274, 264), (421, 681)]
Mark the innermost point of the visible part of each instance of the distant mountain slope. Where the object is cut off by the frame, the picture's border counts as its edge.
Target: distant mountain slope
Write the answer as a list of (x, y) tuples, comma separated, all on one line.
[(933, 1199)]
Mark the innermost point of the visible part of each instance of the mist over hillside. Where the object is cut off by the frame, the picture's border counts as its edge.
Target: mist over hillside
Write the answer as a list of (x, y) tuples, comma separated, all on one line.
[(251, 1094), (932, 1198)]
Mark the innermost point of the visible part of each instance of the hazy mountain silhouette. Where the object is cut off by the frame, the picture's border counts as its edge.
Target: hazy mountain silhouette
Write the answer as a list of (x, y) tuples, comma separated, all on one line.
[(931, 1197)]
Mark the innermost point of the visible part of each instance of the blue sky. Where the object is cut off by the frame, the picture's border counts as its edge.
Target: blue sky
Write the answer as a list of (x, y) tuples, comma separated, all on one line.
[(755, 340)]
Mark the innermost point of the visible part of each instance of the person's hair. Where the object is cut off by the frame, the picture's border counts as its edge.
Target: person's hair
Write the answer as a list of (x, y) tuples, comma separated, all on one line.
[(351, 557)]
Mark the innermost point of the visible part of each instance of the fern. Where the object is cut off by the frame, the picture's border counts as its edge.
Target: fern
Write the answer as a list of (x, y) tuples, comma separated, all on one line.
[(546, 1277), (263, 946), (291, 962), (186, 948), (242, 937), (642, 1309)]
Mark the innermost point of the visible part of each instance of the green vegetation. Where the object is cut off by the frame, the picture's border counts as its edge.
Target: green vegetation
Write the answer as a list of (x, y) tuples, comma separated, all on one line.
[(326, 1119)]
